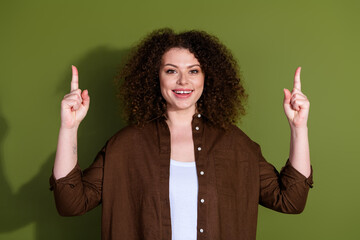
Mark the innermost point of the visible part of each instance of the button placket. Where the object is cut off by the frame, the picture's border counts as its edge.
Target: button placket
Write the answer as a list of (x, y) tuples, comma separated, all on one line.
[(200, 152)]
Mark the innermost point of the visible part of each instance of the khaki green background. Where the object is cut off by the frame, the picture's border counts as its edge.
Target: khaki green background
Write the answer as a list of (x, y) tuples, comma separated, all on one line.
[(41, 39)]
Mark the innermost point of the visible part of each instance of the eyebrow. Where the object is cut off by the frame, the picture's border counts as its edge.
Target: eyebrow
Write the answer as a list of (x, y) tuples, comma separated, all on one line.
[(194, 65)]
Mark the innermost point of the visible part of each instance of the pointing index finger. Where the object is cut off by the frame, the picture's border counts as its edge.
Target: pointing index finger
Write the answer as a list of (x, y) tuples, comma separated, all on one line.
[(75, 79), (297, 83)]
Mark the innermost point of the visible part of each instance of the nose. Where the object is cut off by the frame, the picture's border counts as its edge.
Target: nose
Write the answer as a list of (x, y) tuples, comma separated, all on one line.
[(182, 80)]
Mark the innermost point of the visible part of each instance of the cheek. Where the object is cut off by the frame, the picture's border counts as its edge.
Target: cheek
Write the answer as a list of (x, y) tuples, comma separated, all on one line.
[(162, 83), (164, 88), (200, 84)]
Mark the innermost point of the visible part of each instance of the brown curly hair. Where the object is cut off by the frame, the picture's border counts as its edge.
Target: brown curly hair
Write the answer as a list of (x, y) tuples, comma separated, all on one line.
[(223, 98)]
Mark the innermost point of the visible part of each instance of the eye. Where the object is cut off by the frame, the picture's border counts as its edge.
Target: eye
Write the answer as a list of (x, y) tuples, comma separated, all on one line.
[(170, 71), (194, 71)]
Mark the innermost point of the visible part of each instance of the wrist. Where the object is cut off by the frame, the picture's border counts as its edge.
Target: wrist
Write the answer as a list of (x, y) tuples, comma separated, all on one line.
[(298, 131), (68, 129)]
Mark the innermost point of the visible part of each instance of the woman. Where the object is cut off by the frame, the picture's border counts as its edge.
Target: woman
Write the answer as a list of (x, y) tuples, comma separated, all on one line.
[(181, 169)]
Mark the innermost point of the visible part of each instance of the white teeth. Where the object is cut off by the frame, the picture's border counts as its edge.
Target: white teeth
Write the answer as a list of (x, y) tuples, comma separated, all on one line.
[(182, 92)]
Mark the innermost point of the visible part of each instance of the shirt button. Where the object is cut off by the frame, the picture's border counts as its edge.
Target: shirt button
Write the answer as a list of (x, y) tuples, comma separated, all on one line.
[(202, 200), (202, 173), (199, 115), (199, 148), (197, 128), (201, 230)]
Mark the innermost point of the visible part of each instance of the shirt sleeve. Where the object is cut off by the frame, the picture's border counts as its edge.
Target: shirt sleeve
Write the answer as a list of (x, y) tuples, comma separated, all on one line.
[(286, 191), (79, 191)]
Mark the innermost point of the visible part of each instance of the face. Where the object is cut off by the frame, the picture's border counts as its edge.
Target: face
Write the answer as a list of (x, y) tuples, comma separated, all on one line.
[(181, 80)]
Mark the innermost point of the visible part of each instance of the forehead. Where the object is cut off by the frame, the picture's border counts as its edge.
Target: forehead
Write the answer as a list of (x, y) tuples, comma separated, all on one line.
[(180, 56)]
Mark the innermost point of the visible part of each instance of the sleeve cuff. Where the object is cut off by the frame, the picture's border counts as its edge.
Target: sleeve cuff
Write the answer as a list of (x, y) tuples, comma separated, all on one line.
[(73, 177), (289, 171)]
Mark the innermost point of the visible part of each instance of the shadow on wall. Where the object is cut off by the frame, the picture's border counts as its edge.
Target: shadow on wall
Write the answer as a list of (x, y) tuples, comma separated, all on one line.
[(34, 203)]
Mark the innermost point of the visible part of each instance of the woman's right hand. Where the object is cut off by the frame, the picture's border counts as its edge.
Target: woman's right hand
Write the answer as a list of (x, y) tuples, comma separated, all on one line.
[(75, 105)]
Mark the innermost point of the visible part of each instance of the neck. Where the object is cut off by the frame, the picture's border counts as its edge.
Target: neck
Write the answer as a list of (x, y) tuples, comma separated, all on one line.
[(180, 118)]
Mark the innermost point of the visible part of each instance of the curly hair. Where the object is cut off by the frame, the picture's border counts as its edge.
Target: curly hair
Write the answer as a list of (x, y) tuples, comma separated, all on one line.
[(223, 99)]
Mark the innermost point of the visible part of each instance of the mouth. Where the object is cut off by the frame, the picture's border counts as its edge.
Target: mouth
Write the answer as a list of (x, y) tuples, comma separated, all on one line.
[(182, 93)]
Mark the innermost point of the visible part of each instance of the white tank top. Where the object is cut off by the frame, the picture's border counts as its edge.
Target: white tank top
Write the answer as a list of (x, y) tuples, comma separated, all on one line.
[(183, 193)]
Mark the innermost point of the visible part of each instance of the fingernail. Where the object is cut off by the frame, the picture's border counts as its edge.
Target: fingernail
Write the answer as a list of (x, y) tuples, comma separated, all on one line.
[(74, 69)]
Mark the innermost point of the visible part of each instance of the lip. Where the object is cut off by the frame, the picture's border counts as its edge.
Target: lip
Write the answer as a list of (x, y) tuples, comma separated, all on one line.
[(182, 92)]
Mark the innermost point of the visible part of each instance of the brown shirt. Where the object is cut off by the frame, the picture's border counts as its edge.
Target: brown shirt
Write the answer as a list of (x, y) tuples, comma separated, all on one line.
[(130, 178)]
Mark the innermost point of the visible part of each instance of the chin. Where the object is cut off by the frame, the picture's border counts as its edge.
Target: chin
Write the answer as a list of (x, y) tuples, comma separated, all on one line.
[(182, 107)]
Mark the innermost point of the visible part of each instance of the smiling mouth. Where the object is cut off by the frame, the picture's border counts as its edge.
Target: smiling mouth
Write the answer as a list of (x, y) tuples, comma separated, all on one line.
[(181, 92)]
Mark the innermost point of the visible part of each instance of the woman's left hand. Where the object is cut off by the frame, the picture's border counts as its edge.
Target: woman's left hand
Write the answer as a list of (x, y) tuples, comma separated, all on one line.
[(296, 104)]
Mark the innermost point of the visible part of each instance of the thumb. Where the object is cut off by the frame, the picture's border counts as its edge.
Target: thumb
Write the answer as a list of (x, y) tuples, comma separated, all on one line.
[(86, 98), (287, 96)]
